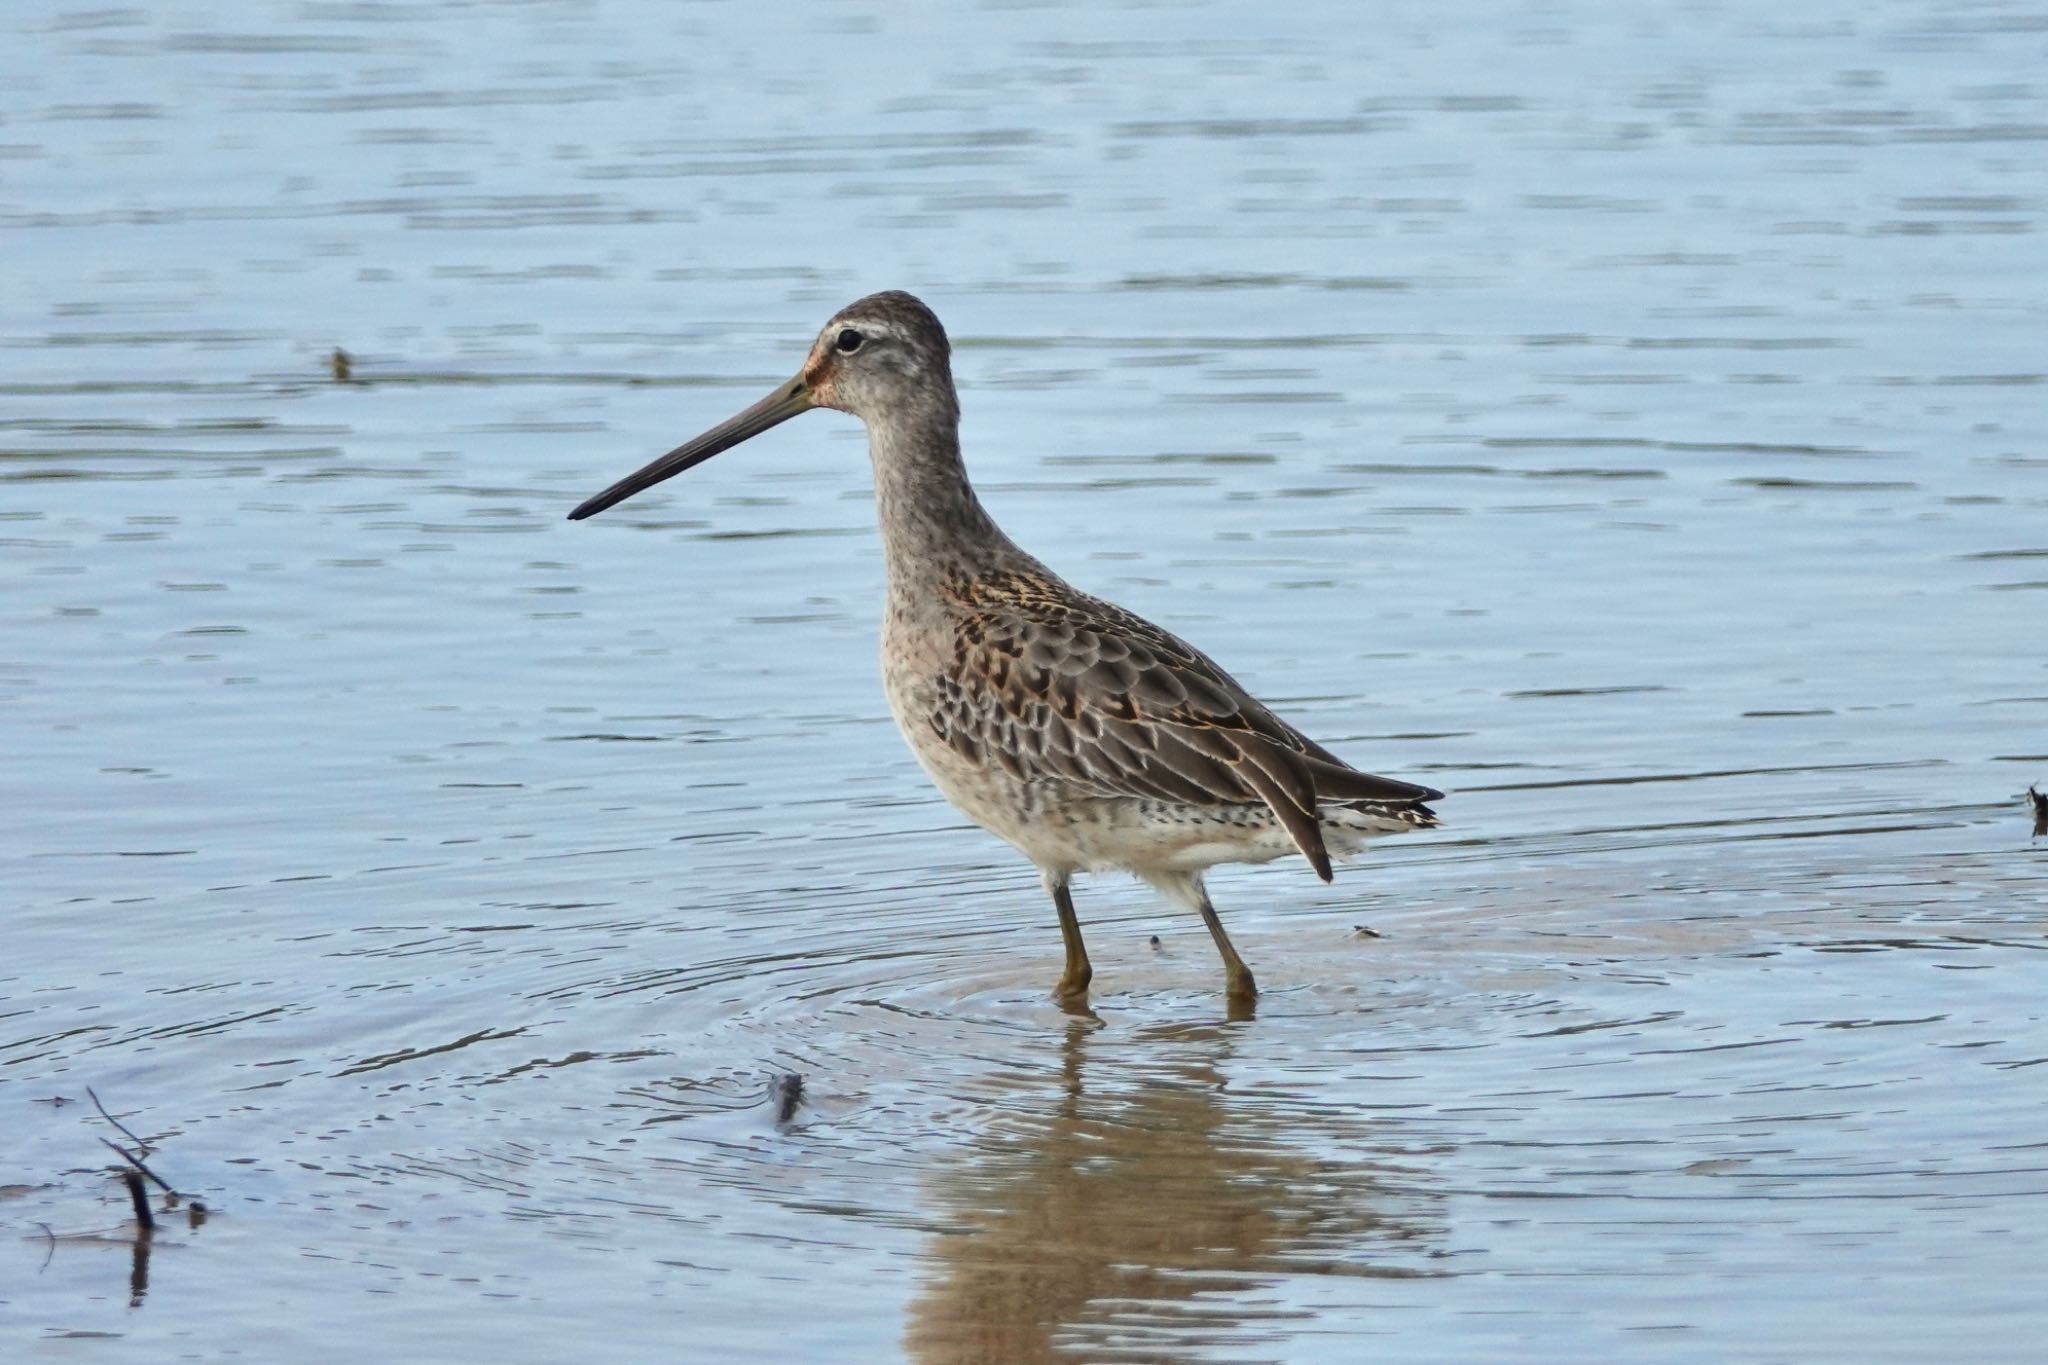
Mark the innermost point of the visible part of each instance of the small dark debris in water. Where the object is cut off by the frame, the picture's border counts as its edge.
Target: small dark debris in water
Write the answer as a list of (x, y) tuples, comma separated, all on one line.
[(1155, 941), (2040, 812), (136, 1177), (342, 366), (1365, 931), (137, 1170), (787, 1090)]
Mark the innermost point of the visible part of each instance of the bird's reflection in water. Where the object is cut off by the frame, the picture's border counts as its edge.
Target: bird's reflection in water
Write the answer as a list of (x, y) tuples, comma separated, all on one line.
[(1097, 1226)]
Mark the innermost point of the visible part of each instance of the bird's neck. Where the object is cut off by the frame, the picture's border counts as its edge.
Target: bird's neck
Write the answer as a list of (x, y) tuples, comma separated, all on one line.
[(933, 526)]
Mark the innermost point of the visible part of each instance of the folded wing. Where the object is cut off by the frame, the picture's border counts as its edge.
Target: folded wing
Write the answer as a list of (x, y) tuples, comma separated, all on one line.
[(1081, 693)]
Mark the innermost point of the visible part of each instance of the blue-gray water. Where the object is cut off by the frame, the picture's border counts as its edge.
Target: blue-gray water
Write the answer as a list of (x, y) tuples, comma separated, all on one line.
[(1627, 420)]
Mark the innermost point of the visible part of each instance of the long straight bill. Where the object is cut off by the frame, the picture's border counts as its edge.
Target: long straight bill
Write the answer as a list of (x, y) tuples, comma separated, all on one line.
[(778, 407)]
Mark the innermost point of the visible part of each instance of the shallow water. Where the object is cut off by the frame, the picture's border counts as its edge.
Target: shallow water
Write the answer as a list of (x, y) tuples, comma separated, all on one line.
[(1628, 424)]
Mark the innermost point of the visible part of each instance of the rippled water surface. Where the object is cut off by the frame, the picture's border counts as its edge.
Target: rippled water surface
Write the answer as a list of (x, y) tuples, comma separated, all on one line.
[(1627, 420)]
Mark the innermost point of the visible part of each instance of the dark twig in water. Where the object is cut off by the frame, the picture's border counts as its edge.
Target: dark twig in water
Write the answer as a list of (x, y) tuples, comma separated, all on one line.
[(195, 1211), (144, 1218), (140, 1146), (136, 1162), (2040, 812), (788, 1090)]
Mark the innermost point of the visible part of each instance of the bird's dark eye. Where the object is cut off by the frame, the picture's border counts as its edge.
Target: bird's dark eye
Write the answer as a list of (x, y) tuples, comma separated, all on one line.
[(848, 341)]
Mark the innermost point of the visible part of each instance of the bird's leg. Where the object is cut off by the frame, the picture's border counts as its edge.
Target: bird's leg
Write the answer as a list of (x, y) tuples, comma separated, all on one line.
[(1237, 977), (1074, 980)]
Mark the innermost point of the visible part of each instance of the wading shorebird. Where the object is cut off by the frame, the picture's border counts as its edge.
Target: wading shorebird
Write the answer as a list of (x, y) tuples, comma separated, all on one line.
[(1086, 737)]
